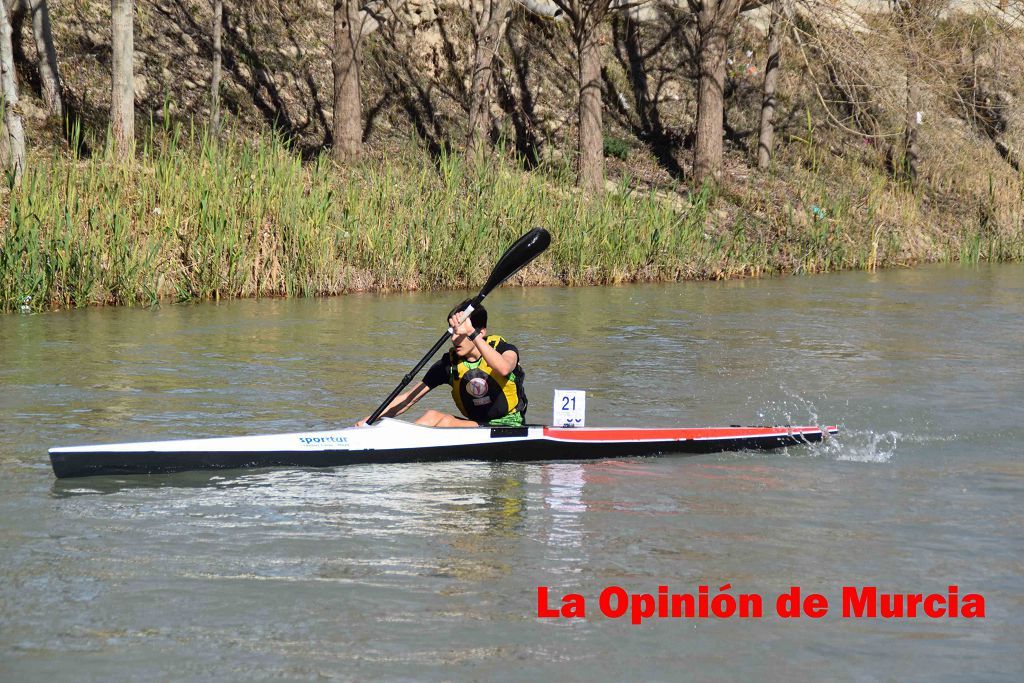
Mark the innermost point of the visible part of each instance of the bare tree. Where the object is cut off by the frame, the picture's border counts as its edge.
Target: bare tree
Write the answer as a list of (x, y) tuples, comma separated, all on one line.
[(490, 19), (218, 17), (12, 117), (585, 16), (348, 107), (911, 150), (766, 136), (591, 144), (716, 20), (909, 17), (49, 74), (51, 89), (353, 22), (122, 97)]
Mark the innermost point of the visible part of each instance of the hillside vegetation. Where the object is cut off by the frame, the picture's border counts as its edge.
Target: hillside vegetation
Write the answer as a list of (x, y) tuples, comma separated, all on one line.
[(856, 178)]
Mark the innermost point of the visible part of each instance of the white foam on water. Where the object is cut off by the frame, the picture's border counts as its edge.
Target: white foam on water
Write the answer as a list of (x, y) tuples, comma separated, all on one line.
[(861, 445), (865, 445), (850, 445)]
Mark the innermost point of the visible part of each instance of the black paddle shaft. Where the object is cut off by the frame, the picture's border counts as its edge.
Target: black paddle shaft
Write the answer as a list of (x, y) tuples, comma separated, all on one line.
[(515, 258), (408, 378)]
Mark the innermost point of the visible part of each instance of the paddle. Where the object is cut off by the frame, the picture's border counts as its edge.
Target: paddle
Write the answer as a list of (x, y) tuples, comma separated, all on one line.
[(525, 249)]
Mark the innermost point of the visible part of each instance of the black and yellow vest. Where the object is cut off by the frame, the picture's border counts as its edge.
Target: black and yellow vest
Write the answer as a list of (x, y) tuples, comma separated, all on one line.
[(482, 394)]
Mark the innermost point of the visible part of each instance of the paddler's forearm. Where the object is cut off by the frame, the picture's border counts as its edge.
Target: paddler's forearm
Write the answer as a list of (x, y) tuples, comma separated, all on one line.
[(398, 406), (497, 361), (405, 401)]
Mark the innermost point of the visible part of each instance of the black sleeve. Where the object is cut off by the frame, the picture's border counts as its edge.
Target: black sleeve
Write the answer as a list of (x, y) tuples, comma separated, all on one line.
[(439, 373), (502, 346)]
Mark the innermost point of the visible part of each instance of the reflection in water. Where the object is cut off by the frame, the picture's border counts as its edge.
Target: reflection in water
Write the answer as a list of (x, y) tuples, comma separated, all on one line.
[(477, 510), (66, 488), (483, 523), (562, 490), (473, 508)]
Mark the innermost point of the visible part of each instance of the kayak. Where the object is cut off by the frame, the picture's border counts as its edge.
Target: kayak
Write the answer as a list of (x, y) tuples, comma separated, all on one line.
[(395, 441)]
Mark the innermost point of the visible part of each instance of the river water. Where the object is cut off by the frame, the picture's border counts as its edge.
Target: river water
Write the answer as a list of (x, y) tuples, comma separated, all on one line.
[(431, 572)]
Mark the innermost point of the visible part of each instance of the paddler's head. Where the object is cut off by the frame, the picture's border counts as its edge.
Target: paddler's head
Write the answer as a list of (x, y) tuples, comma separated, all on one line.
[(477, 321)]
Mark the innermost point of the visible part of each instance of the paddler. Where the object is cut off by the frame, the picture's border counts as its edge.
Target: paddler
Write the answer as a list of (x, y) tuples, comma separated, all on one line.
[(484, 374)]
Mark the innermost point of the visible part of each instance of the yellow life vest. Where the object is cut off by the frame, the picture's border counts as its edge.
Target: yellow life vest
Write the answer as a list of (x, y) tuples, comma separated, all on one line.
[(480, 392)]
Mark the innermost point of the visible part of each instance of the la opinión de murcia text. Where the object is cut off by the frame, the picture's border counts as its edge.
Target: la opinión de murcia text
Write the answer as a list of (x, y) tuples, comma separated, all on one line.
[(856, 602)]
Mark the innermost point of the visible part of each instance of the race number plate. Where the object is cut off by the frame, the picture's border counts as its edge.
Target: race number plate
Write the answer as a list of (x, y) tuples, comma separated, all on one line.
[(570, 408)]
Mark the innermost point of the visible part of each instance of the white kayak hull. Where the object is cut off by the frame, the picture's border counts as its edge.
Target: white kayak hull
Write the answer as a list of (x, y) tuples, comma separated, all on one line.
[(394, 441)]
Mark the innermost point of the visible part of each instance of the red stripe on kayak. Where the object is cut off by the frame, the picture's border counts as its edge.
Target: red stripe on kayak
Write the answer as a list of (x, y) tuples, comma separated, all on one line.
[(576, 434)]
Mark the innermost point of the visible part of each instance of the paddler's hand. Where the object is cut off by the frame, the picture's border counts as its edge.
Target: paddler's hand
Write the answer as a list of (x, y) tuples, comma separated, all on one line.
[(362, 423), (460, 323)]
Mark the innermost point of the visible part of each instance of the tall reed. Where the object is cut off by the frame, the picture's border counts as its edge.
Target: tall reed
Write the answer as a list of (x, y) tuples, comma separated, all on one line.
[(197, 218)]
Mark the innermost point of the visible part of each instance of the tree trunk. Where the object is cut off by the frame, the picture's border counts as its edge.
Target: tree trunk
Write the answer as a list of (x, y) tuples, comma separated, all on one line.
[(488, 27), (49, 75), (218, 16), (8, 83), (591, 143), (911, 154), (347, 128), (122, 96), (715, 22), (909, 17), (766, 138), (16, 12), (638, 77)]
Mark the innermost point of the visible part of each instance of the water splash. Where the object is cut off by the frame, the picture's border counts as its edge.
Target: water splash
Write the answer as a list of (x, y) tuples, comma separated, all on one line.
[(850, 445), (861, 445), (791, 409), (865, 445)]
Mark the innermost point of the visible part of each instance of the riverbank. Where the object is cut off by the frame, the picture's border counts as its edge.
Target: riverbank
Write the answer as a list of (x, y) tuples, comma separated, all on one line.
[(189, 219)]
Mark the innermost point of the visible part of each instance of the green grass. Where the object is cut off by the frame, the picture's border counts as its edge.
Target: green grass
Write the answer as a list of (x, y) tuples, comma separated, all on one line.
[(190, 219)]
